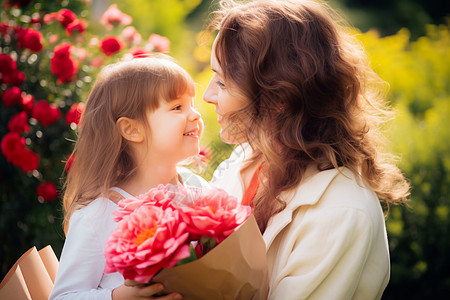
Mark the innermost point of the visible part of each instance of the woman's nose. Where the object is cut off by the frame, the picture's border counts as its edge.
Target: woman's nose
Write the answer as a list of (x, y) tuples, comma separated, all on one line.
[(210, 94)]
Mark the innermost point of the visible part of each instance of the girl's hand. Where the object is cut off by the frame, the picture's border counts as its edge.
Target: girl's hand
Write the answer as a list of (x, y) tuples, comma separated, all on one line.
[(134, 290)]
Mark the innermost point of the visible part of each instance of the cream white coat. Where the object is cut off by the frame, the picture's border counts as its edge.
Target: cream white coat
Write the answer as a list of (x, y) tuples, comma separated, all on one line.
[(329, 242)]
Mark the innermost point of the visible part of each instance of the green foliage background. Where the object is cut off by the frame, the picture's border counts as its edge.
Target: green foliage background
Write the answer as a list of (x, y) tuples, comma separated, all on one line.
[(415, 62)]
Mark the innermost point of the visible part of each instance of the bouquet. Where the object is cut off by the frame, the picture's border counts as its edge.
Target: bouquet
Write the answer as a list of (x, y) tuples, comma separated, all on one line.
[(172, 233)]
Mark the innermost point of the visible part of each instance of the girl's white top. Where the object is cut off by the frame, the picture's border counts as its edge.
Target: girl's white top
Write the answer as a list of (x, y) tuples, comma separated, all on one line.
[(82, 263), (329, 242)]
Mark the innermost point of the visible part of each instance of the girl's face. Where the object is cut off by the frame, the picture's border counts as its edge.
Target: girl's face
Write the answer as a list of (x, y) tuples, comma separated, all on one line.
[(176, 128), (226, 98)]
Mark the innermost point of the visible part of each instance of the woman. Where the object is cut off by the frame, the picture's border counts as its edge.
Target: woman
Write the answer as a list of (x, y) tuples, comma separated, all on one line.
[(295, 90)]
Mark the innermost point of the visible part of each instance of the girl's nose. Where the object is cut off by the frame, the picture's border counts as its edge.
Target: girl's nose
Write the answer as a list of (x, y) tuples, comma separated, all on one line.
[(194, 115)]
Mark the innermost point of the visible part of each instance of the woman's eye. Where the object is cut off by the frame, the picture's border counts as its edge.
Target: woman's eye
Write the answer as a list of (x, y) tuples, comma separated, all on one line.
[(220, 84)]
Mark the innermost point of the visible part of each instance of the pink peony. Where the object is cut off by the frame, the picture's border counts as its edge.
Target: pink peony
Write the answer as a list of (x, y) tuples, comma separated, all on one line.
[(147, 240), (160, 43), (161, 196), (214, 214), (114, 16)]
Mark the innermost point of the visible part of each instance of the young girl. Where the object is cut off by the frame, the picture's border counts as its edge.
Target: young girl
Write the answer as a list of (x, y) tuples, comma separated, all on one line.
[(293, 86), (139, 122)]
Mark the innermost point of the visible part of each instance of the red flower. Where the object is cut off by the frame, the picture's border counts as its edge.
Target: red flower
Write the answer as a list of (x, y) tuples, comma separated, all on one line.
[(69, 162), (12, 96), (160, 43), (113, 16), (15, 152), (74, 113), (139, 52), (10, 145), (16, 77), (19, 123), (30, 39), (78, 24), (45, 113), (62, 65), (27, 103), (47, 192), (26, 159), (110, 45), (64, 16), (7, 64)]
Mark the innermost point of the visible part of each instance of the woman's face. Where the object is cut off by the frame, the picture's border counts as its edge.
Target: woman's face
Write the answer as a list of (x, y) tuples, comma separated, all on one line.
[(226, 97)]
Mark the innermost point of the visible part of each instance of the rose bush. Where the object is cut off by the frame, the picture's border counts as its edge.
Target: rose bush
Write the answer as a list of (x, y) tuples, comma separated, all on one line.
[(49, 57)]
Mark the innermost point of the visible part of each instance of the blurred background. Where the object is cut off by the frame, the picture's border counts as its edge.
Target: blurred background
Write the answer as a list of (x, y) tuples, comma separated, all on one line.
[(52, 50)]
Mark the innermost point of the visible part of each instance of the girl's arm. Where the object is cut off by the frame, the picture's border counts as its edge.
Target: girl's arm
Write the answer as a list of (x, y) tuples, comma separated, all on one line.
[(82, 263)]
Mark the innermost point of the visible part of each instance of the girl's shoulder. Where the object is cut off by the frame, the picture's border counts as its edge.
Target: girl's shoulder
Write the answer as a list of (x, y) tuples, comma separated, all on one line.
[(97, 214)]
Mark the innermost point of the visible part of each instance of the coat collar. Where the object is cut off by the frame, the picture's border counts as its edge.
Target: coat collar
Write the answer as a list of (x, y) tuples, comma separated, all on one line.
[(308, 193)]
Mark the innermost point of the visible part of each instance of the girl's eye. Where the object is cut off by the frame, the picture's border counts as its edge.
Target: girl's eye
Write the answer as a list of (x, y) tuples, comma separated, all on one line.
[(178, 107)]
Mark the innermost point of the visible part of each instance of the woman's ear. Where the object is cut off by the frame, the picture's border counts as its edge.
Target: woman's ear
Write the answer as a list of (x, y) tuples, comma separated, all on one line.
[(130, 129)]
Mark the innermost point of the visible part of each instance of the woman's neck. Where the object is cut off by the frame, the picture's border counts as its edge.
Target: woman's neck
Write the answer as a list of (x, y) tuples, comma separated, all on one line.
[(147, 178)]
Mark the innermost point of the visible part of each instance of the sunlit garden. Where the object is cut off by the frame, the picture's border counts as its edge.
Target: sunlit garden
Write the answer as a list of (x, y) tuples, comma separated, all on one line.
[(51, 52)]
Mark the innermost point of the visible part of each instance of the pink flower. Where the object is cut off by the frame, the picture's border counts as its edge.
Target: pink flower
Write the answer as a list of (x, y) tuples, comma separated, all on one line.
[(110, 45), (147, 240), (113, 16), (161, 196), (131, 35), (64, 16), (214, 214), (45, 113), (160, 43)]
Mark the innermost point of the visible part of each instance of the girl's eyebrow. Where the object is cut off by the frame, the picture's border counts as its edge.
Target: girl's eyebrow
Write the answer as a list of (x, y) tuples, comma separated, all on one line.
[(215, 71)]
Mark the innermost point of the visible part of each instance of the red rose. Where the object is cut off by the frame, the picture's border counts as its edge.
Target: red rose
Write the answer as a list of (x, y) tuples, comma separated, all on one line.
[(26, 159), (10, 145), (74, 113), (62, 65), (15, 152), (110, 45), (15, 77), (27, 103), (47, 192), (160, 43), (19, 123), (66, 16), (12, 96), (7, 64), (78, 24), (30, 39), (45, 113)]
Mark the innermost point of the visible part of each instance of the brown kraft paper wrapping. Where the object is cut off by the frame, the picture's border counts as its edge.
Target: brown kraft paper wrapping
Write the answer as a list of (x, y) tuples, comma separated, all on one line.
[(234, 269)]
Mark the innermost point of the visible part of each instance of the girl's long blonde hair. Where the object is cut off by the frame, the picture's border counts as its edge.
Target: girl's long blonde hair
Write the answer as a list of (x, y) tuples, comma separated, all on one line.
[(102, 158), (313, 99)]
